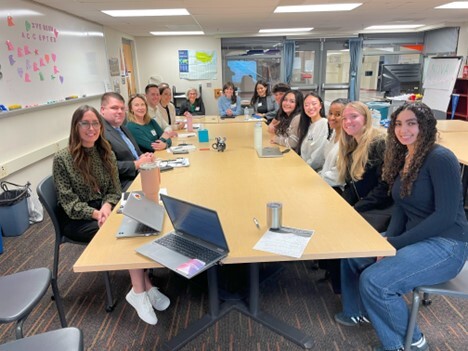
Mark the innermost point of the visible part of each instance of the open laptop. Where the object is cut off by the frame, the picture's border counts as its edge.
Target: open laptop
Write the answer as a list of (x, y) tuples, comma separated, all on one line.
[(269, 151), (142, 217), (196, 244)]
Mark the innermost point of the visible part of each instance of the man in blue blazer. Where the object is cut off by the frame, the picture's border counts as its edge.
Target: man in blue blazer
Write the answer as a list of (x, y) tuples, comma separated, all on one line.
[(128, 154)]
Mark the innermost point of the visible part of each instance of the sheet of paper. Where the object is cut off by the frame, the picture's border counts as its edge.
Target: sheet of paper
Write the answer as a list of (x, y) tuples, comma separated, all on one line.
[(286, 241), (181, 148), (178, 162), (186, 135)]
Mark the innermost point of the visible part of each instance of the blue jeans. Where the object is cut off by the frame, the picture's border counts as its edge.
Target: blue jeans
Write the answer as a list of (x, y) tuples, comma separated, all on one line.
[(376, 289)]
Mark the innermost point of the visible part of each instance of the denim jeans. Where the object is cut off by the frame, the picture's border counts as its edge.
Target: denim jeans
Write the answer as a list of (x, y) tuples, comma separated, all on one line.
[(376, 289)]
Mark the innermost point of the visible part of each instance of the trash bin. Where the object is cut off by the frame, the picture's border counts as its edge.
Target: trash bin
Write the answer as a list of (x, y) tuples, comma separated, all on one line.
[(382, 107), (14, 214)]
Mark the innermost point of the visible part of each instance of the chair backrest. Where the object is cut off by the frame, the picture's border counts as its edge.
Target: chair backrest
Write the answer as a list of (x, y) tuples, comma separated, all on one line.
[(48, 197)]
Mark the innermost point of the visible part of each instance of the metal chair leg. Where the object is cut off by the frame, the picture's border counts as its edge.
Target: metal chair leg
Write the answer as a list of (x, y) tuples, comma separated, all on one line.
[(110, 304), (412, 320), (58, 302), (19, 327)]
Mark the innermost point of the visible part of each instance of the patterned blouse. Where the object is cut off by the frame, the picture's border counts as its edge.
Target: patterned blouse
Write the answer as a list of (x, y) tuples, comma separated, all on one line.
[(74, 194)]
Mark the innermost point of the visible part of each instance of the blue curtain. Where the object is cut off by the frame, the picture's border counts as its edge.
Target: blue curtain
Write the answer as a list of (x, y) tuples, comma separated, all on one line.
[(289, 50), (355, 53)]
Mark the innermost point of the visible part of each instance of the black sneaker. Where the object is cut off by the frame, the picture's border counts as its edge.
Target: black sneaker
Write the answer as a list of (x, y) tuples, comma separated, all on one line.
[(342, 319)]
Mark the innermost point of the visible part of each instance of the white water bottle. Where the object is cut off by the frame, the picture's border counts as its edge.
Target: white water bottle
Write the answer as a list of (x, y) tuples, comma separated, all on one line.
[(258, 136), (246, 112)]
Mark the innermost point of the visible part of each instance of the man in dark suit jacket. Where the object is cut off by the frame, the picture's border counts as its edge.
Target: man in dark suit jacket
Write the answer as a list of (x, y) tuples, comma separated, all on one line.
[(126, 150)]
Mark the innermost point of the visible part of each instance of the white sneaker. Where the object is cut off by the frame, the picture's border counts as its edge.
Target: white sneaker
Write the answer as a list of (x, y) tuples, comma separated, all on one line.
[(159, 301), (142, 305)]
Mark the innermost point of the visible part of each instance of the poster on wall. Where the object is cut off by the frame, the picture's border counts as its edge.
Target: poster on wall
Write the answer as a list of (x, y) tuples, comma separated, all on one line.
[(197, 64)]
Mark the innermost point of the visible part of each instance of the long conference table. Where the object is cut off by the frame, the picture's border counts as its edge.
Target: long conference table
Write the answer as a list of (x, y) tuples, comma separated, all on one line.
[(238, 184)]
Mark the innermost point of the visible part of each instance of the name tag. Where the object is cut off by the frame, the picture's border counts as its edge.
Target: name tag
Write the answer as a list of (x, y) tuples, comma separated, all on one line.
[(259, 104), (153, 132), (197, 108), (233, 105)]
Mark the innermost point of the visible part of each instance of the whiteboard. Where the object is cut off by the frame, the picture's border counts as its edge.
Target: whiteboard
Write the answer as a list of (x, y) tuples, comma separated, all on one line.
[(47, 56), (439, 80)]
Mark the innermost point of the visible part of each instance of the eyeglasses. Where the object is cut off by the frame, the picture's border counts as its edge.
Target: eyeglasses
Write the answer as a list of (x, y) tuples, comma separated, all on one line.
[(88, 125)]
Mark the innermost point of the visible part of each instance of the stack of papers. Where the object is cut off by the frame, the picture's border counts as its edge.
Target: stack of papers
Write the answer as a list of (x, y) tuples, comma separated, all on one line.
[(178, 162), (181, 148), (186, 135), (286, 241)]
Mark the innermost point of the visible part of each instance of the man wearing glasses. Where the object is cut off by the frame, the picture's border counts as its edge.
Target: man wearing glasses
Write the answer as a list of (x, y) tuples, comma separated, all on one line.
[(126, 150)]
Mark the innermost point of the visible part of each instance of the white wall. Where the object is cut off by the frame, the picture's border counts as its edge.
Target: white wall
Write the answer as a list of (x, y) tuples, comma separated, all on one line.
[(28, 131), (160, 56)]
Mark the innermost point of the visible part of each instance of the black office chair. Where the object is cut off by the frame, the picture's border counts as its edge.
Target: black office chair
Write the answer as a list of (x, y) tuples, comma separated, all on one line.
[(20, 293), (48, 197), (67, 339), (457, 287)]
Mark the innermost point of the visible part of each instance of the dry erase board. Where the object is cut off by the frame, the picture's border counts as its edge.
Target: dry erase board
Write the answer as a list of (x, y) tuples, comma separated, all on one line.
[(47, 56), (439, 80)]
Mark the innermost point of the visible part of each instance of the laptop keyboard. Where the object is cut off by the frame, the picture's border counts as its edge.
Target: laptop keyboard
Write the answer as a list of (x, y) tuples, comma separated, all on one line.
[(144, 229), (188, 248)]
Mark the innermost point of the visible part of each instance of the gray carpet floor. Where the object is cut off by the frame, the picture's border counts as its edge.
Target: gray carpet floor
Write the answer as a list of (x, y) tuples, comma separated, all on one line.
[(292, 294)]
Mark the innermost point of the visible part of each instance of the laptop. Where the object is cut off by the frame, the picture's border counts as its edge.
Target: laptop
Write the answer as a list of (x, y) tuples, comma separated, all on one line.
[(224, 117), (142, 217), (269, 151), (196, 244)]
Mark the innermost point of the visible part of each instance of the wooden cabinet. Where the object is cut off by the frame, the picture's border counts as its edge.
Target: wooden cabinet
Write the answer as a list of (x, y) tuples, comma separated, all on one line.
[(461, 110)]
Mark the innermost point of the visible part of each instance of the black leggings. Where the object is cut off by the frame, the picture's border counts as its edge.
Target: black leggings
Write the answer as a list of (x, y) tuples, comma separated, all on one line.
[(81, 230)]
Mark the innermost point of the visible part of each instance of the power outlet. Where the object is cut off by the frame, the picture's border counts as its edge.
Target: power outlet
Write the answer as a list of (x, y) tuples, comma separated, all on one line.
[(3, 171)]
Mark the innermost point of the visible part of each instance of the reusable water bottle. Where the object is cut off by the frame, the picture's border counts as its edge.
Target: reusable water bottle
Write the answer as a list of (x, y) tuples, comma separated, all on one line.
[(246, 112), (258, 136), (189, 123)]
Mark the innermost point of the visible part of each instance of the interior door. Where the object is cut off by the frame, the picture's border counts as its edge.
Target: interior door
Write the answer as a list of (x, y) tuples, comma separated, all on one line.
[(322, 66)]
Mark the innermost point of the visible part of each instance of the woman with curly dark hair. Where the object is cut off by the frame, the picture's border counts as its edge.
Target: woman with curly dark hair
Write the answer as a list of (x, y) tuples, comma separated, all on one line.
[(428, 229), (284, 128)]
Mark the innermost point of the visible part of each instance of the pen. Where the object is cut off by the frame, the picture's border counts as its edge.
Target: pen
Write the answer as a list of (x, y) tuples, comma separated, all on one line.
[(256, 222)]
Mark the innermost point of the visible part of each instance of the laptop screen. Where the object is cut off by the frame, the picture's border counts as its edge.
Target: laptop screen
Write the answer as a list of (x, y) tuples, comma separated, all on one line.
[(195, 220)]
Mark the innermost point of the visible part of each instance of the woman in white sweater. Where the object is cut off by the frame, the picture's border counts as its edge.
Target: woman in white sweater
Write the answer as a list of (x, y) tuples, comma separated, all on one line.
[(329, 172), (312, 131)]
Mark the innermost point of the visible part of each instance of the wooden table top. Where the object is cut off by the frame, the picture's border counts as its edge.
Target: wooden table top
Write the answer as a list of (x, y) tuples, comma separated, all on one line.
[(452, 125), (238, 184), (457, 142)]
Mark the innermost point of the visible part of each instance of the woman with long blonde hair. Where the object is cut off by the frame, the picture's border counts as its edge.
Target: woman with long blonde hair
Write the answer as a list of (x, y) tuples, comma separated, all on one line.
[(360, 159)]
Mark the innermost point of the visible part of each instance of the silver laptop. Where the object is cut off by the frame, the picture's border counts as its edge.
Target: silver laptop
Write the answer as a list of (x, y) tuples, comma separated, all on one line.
[(142, 217), (269, 151), (196, 244)]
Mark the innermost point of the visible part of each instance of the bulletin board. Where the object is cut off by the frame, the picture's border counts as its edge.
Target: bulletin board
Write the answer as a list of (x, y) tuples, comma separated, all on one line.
[(439, 80), (47, 56)]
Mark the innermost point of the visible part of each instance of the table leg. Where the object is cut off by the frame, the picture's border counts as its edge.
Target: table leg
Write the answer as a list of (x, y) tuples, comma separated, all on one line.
[(216, 312)]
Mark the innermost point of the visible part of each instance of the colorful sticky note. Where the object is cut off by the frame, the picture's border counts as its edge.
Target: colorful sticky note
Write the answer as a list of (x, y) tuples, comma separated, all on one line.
[(28, 65), (20, 52), (54, 57), (9, 45), (52, 77), (61, 79), (27, 25), (41, 76), (56, 70), (35, 68), (20, 71), (26, 50), (12, 60), (10, 21), (41, 62), (47, 58), (36, 52), (27, 78)]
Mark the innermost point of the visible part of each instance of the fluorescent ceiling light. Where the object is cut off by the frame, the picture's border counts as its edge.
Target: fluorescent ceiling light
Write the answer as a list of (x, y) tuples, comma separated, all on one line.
[(284, 30), (317, 8), (395, 26), (194, 32), (454, 5), (147, 12)]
